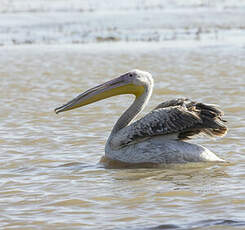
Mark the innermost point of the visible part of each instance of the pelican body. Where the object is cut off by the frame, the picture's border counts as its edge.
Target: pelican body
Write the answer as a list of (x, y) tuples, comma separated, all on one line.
[(159, 137)]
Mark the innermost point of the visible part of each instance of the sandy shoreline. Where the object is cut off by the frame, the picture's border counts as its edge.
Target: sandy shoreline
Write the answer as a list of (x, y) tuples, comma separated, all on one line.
[(39, 22)]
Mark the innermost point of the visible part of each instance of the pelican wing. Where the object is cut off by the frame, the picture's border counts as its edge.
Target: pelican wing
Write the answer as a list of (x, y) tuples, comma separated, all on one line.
[(181, 117), (175, 102)]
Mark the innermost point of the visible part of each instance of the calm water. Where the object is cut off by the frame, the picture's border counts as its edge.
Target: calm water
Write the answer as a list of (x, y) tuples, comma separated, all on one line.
[(62, 22), (50, 178)]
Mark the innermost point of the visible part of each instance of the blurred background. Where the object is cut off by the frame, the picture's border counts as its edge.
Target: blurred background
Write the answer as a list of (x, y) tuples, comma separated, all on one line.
[(83, 21), (53, 50)]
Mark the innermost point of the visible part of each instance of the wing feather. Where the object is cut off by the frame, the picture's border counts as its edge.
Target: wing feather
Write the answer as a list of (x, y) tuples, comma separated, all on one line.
[(182, 117)]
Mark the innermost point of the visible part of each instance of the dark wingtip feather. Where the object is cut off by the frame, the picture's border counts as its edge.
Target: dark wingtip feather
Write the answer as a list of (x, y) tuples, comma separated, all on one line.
[(212, 121), (212, 118)]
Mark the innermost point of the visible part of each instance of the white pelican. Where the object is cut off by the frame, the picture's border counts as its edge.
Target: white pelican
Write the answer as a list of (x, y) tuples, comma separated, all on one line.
[(157, 138)]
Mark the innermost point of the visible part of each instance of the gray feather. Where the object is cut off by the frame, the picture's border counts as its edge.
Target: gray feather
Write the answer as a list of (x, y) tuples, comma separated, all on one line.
[(181, 116)]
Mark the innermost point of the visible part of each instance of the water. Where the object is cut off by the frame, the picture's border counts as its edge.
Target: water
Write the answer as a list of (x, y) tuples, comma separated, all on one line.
[(59, 22), (49, 172), (50, 176)]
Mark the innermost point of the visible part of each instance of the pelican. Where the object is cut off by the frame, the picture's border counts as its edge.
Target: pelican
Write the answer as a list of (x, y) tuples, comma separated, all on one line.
[(158, 137)]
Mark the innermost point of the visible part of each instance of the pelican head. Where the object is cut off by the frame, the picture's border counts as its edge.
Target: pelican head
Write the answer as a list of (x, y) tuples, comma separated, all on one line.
[(133, 82)]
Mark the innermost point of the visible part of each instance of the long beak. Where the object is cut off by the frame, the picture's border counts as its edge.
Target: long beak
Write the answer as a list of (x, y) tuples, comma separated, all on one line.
[(111, 88)]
